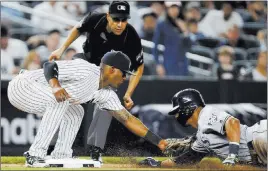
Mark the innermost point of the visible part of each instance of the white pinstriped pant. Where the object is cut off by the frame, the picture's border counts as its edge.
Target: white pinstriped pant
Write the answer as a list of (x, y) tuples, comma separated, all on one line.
[(32, 97)]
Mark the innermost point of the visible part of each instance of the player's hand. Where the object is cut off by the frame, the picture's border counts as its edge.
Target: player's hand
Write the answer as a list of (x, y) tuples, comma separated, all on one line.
[(162, 145), (60, 94), (230, 160), (55, 55), (128, 102)]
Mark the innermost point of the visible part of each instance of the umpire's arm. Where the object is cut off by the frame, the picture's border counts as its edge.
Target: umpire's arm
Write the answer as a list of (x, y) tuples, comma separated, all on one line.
[(76, 31), (137, 127), (73, 35)]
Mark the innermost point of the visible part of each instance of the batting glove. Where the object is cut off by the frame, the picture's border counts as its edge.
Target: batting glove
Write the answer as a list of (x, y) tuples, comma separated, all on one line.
[(149, 161), (230, 160)]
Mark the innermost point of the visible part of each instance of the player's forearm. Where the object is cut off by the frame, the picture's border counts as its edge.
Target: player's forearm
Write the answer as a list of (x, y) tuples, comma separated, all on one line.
[(130, 122), (54, 83), (134, 80), (232, 128), (137, 127), (73, 35)]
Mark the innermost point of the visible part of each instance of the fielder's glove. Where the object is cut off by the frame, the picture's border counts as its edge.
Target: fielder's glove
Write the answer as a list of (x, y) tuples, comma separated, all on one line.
[(230, 160), (177, 147), (149, 161)]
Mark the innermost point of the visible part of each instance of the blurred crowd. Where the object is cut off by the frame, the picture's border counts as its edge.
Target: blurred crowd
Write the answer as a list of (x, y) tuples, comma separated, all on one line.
[(232, 34)]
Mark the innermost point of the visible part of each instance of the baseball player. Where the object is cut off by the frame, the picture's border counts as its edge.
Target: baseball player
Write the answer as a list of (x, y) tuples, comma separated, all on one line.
[(106, 32), (218, 133), (57, 92)]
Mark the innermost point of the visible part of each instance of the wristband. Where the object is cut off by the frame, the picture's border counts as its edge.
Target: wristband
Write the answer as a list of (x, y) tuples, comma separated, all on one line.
[(50, 70), (233, 148), (153, 138)]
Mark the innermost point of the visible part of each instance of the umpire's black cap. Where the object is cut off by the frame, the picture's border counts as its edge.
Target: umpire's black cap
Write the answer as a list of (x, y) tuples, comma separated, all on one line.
[(119, 9), (118, 60)]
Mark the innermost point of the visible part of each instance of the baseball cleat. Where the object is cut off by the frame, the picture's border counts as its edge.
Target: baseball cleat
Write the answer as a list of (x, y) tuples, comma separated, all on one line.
[(95, 153), (33, 161)]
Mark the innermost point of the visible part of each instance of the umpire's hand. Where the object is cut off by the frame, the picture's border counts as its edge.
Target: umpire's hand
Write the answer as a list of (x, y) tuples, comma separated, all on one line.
[(128, 102), (55, 55)]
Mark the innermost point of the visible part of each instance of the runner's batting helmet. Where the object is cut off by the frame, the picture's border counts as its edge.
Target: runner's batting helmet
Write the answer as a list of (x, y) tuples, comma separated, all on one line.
[(184, 103)]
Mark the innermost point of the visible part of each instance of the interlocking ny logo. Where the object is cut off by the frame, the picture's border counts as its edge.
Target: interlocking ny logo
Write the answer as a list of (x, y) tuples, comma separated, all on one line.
[(121, 7)]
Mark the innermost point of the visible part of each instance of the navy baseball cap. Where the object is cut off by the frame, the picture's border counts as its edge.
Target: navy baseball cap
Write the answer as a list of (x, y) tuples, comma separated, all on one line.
[(119, 9), (118, 60)]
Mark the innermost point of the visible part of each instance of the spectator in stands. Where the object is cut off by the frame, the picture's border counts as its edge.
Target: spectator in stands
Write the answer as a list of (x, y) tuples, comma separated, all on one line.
[(217, 22), (74, 8), (259, 73), (32, 61), (10, 12), (258, 12), (149, 23), (93, 5), (51, 7), (192, 11), (51, 44), (69, 53), (262, 37), (170, 32), (15, 48), (7, 64), (234, 39), (158, 7), (208, 4), (225, 70), (35, 41), (192, 26)]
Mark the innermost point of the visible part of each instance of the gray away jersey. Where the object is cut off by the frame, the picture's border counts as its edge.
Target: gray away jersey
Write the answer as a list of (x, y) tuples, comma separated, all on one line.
[(81, 81), (211, 136)]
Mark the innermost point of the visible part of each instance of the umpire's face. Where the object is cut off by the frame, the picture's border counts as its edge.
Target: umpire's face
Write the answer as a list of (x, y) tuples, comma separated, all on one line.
[(116, 25)]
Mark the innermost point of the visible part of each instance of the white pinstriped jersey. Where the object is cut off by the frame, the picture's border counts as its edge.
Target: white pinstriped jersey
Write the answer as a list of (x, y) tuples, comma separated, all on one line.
[(81, 81), (211, 136)]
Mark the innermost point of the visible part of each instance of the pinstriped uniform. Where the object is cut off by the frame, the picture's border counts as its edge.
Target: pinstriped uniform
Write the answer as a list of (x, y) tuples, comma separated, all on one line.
[(31, 93)]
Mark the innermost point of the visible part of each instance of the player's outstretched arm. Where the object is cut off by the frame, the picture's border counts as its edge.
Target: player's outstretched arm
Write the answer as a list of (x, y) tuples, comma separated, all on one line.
[(138, 128), (232, 128)]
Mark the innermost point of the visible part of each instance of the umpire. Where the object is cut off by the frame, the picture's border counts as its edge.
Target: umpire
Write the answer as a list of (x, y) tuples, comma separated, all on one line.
[(106, 32)]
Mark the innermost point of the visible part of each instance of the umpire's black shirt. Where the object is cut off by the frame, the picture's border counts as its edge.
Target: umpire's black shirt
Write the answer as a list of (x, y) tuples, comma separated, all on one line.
[(99, 41)]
